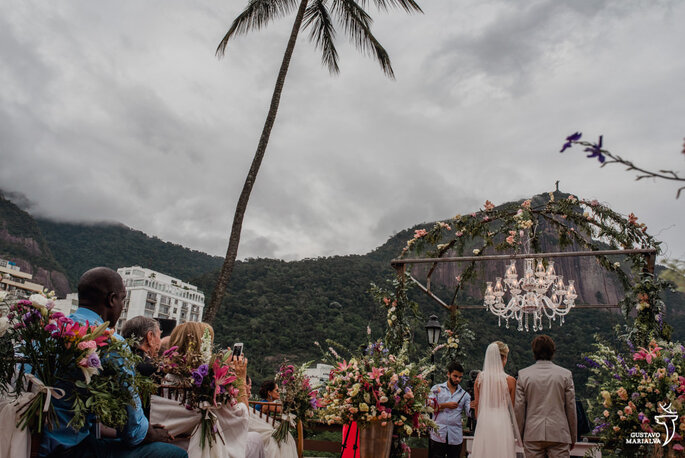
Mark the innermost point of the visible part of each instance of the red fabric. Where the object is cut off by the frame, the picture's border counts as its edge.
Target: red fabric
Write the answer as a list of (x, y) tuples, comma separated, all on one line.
[(352, 439)]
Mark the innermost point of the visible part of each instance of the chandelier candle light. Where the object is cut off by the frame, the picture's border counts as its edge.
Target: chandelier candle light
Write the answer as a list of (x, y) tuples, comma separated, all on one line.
[(529, 295)]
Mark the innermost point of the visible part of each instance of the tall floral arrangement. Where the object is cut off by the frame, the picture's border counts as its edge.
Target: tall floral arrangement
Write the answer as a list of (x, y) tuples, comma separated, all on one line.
[(209, 380), (379, 386), (640, 403), (299, 399), (53, 356)]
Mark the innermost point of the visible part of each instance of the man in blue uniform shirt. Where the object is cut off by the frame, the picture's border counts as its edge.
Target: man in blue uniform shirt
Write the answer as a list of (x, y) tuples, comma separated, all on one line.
[(101, 298), (450, 402)]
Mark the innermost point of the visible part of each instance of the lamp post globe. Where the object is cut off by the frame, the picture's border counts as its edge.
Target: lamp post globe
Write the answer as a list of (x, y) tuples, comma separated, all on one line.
[(433, 329)]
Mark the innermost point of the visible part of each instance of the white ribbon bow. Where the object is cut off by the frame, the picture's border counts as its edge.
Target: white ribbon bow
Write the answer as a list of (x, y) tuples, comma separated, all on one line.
[(290, 418), (37, 388)]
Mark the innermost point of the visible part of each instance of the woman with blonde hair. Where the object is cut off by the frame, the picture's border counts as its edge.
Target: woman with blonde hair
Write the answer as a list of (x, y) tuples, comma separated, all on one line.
[(494, 392), (188, 337), (232, 420)]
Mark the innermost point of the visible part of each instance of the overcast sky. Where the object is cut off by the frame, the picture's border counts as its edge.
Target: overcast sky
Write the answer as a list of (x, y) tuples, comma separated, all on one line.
[(120, 111)]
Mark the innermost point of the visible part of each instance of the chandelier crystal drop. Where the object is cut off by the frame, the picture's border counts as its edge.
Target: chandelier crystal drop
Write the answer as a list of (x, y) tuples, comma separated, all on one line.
[(540, 292)]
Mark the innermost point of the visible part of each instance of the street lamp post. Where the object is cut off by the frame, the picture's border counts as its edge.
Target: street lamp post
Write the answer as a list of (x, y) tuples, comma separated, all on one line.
[(433, 329)]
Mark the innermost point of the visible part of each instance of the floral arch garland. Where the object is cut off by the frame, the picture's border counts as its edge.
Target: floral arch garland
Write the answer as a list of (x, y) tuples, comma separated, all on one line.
[(586, 224)]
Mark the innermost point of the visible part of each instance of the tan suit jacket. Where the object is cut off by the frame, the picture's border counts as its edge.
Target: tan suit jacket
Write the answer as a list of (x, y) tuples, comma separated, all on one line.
[(546, 404)]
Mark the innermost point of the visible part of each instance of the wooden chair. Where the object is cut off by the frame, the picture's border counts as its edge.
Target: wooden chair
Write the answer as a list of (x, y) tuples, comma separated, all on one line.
[(272, 414)]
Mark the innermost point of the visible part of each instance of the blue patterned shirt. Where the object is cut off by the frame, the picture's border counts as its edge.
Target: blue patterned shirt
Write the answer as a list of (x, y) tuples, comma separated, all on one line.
[(449, 420), (65, 437)]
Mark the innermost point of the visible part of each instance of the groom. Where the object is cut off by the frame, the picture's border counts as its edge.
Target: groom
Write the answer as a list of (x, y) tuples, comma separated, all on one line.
[(546, 404)]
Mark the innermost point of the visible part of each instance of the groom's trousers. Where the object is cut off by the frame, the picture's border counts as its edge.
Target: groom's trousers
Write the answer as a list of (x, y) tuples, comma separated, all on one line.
[(543, 449)]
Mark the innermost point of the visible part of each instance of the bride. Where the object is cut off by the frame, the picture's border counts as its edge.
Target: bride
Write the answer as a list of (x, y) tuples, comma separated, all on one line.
[(494, 397)]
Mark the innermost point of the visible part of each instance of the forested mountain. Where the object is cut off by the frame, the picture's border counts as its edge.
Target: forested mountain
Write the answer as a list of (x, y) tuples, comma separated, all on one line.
[(82, 246), (278, 309)]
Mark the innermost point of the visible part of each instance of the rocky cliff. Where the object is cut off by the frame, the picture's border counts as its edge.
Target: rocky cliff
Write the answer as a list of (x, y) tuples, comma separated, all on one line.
[(22, 242)]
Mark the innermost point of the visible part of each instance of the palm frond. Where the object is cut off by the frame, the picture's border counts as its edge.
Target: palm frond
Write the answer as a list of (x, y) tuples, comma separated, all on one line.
[(357, 25), (256, 15), (322, 33), (408, 5)]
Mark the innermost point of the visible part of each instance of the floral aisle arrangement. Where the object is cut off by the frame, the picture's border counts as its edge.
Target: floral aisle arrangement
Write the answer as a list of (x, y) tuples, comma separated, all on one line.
[(379, 386), (209, 380), (641, 398), (299, 400), (48, 355)]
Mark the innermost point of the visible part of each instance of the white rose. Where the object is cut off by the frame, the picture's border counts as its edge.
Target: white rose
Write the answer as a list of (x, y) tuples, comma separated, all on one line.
[(39, 299), (476, 251), (4, 325)]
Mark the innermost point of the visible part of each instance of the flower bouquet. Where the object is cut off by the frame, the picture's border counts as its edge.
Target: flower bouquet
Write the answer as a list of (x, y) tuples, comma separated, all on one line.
[(641, 401), (379, 386), (209, 380), (53, 356), (298, 398)]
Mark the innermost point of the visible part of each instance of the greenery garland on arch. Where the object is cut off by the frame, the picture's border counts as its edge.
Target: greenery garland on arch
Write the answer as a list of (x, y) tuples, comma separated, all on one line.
[(584, 223)]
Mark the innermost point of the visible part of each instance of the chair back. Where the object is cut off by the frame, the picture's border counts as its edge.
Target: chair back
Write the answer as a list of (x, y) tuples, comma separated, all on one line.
[(269, 411)]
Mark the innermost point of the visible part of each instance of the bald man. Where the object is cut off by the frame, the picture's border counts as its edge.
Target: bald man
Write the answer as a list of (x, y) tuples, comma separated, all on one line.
[(101, 295)]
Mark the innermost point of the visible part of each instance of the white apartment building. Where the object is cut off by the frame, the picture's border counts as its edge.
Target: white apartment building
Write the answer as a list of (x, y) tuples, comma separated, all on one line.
[(157, 295), (13, 280), (67, 305), (318, 375)]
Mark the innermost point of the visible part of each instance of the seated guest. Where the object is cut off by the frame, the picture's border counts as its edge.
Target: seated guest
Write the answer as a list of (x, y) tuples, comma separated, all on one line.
[(188, 337), (148, 334), (101, 294), (232, 420), (261, 431), (269, 392)]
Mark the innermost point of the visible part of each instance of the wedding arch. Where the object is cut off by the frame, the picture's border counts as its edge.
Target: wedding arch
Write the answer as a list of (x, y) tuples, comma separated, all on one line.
[(621, 245)]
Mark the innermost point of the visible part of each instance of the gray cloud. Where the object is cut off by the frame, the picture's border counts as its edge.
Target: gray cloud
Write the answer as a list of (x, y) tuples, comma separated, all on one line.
[(122, 112)]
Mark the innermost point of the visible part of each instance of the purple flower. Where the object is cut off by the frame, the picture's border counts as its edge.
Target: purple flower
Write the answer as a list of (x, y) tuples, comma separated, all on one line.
[(197, 377), (635, 396), (641, 417), (93, 360), (617, 377), (51, 328), (670, 368), (632, 371), (582, 366), (203, 370), (591, 362), (569, 141), (595, 150)]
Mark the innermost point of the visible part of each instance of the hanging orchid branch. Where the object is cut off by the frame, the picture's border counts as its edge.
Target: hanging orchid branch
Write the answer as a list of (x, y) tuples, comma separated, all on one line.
[(595, 150)]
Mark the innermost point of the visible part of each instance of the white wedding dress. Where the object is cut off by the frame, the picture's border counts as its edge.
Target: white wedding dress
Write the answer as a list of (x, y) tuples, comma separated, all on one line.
[(497, 433)]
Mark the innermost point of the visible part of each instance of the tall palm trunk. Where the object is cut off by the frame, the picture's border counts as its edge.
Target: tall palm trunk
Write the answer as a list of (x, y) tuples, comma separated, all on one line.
[(234, 240)]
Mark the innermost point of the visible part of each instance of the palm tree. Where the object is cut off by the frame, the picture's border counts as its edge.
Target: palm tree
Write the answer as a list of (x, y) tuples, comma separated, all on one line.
[(315, 15)]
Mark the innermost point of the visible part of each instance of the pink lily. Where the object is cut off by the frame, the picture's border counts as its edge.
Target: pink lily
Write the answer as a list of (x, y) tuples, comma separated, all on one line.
[(647, 355), (375, 374), (222, 377)]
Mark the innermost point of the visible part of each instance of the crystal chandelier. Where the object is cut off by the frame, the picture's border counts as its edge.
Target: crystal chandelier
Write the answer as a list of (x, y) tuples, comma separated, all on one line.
[(540, 292)]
